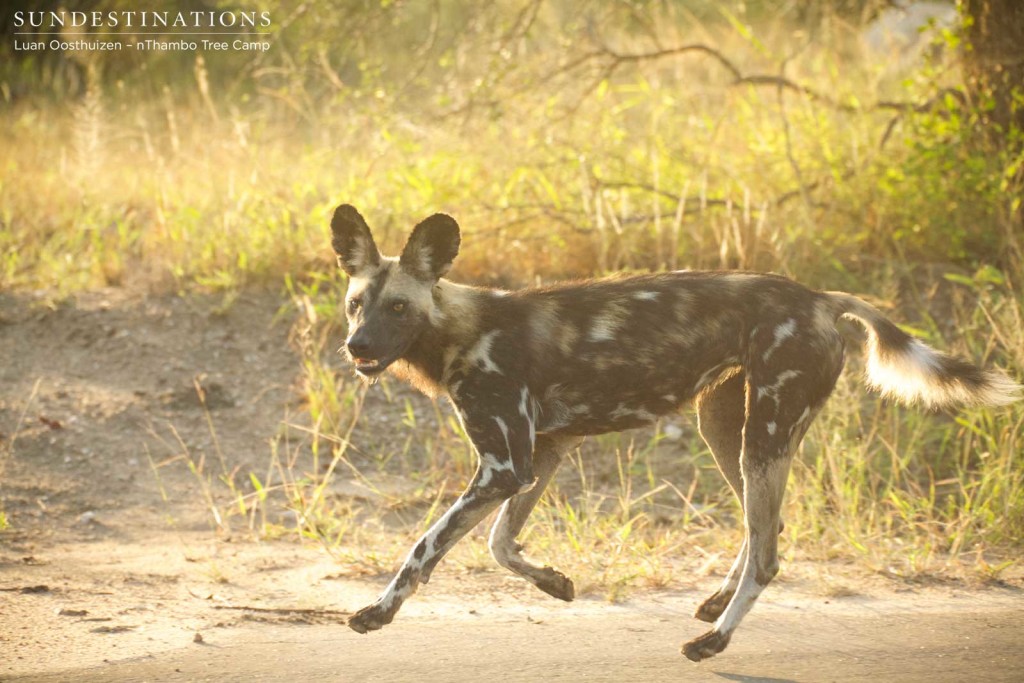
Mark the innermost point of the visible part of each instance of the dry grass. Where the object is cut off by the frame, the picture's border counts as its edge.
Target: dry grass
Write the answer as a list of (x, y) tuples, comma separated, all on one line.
[(899, 492), (654, 164)]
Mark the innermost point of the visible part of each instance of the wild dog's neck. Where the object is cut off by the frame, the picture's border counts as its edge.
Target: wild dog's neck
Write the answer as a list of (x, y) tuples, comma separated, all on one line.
[(454, 319)]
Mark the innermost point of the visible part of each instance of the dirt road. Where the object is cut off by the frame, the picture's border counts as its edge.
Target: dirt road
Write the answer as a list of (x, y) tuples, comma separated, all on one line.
[(929, 635)]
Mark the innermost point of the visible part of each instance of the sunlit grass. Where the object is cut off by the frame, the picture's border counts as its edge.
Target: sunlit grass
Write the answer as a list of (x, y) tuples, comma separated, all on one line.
[(662, 166)]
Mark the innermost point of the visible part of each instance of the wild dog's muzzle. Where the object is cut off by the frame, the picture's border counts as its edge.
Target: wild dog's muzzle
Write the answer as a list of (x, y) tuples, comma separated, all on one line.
[(363, 357)]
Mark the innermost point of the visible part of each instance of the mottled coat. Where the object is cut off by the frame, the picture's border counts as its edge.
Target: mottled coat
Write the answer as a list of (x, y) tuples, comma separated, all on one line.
[(530, 372)]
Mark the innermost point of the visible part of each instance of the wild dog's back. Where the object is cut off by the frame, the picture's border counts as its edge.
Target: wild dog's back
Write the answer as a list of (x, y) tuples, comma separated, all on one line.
[(612, 354)]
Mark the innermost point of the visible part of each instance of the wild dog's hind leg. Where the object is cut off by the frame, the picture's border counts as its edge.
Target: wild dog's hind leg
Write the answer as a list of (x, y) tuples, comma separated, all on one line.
[(766, 482), (780, 404), (547, 455), (720, 413)]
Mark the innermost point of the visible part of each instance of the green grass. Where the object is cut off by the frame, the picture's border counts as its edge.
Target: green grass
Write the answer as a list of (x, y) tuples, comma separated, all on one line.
[(563, 167)]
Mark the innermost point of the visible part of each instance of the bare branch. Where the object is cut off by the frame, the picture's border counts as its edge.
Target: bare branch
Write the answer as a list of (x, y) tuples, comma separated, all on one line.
[(613, 60), (928, 105), (619, 59)]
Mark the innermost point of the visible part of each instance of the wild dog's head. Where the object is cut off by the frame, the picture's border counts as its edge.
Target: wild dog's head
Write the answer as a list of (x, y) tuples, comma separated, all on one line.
[(390, 301)]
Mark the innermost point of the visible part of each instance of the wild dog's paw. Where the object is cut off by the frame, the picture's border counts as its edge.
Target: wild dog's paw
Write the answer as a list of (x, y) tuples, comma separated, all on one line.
[(370, 618), (556, 584), (707, 645), (713, 607)]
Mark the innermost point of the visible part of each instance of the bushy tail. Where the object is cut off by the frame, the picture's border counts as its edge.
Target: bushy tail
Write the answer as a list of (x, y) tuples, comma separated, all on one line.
[(906, 369)]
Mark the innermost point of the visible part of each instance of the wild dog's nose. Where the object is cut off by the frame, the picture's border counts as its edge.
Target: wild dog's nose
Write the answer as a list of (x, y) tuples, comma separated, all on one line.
[(358, 347)]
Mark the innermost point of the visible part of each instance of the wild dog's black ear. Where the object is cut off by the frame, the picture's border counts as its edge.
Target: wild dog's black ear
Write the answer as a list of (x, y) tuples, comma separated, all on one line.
[(431, 248), (352, 241)]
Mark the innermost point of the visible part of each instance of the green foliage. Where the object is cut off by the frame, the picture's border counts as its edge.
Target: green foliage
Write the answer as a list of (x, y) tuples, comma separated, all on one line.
[(951, 194)]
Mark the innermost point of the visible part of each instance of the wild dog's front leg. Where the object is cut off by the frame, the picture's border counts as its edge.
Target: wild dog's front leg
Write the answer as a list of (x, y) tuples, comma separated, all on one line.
[(504, 443), (471, 507)]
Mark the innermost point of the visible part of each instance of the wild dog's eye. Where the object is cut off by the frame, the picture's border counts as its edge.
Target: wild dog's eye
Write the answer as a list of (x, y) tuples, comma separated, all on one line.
[(354, 304), (398, 307)]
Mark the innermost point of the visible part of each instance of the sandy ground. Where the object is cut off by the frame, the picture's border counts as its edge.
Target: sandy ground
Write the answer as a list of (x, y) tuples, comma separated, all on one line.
[(273, 612), (107, 574)]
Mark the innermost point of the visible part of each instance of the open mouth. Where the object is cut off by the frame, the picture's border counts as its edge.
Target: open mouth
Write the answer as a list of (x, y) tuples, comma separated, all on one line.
[(369, 366)]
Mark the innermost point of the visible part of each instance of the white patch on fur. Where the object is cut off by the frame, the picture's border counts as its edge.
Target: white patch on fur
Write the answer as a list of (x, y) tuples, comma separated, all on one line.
[(669, 398), (908, 376), (357, 284), (492, 463), (645, 296), (608, 323), (772, 390), (489, 465), (543, 321), (528, 409), (771, 427), (621, 411), (603, 330), (480, 354), (782, 333), (914, 376)]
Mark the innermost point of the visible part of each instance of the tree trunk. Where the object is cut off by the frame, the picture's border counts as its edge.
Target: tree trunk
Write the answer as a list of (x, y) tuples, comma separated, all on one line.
[(994, 59)]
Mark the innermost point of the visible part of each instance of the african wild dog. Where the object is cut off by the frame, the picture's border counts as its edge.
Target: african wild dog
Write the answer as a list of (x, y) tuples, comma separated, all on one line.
[(532, 372)]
